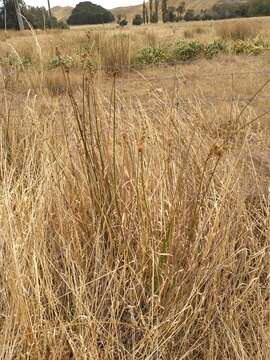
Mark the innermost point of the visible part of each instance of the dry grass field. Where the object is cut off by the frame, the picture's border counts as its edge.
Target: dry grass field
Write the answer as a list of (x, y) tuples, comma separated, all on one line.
[(134, 209)]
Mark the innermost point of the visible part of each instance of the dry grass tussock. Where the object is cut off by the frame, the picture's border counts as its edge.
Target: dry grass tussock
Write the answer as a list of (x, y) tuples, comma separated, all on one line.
[(129, 227), (238, 30)]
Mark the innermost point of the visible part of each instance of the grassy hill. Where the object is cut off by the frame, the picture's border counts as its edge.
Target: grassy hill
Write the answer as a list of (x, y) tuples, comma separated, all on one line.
[(62, 12), (196, 5)]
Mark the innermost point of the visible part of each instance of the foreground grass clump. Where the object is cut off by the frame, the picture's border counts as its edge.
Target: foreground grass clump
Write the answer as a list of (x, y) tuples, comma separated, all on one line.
[(125, 230)]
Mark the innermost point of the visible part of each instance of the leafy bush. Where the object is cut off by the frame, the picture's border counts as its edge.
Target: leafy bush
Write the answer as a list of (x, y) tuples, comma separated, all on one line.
[(123, 22), (189, 15), (56, 61), (61, 25), (152, 55), (240, 47), (248, 47), (214, 48), (137, 20), (185, 51), (15, 60)]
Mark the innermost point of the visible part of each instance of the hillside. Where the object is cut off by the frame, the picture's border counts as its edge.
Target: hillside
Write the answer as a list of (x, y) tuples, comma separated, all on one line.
[(62, 12), (196, 5)]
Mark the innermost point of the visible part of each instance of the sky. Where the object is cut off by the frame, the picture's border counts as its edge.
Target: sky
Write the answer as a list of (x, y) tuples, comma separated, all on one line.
[(109, 4)]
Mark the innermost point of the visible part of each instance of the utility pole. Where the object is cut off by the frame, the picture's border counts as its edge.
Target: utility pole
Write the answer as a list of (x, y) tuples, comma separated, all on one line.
[(19, 15)]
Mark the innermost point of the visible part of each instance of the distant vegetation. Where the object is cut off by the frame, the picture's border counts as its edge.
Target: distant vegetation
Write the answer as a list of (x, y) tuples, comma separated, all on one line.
[(38, 17), (137, 20), (221, 10), (88, 13), (122, 20)]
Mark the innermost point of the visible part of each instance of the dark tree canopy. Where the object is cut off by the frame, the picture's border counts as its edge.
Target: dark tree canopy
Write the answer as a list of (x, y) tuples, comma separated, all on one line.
[(11, 17), (88, 13), (259, 7), (38, 17)]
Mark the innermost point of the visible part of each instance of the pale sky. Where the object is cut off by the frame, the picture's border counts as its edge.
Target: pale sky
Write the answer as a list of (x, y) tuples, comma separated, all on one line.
[(109, 4)]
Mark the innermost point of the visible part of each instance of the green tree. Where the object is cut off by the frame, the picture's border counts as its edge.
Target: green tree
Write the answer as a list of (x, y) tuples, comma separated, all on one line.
[(156, 17), (170, 15), (181, 9), (11, 14), (39, 18), (89, 13), (146, 15), (189, 15), (122, 20), (259, 7), (151, 10), (137, 20), (164, 11), (144, 12)]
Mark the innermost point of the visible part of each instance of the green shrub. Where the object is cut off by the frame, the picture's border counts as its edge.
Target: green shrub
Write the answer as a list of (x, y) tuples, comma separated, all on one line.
[(185, 51), (122, 20), (240, 47), (56, 61), (249, 47), (259, 8), (190, 15), (214, 48), (152, 55), (137, 20), (15, 60)]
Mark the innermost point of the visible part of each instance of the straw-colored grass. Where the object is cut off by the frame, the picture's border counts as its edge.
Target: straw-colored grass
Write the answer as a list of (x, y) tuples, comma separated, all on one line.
[(238, 30), (133, 212)]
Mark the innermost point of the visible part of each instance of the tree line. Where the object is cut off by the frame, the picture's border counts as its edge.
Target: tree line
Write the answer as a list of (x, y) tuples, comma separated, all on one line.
[(221, 10), (15, 14)]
